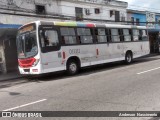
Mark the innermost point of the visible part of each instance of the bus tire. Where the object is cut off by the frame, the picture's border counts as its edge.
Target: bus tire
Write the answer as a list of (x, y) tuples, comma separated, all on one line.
[(128, 57), (72, 67)]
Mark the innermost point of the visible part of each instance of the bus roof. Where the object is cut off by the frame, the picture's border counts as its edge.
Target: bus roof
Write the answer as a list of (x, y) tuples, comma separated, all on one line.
[(86, 24)]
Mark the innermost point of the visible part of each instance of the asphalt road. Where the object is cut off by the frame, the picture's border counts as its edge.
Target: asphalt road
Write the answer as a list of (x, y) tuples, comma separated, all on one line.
[(109, 87)]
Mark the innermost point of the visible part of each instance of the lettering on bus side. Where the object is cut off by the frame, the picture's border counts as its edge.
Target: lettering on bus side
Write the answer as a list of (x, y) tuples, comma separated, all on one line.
[(74, 51)]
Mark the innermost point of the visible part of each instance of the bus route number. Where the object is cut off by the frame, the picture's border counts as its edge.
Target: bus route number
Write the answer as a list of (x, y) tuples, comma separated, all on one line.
[(74, 51)]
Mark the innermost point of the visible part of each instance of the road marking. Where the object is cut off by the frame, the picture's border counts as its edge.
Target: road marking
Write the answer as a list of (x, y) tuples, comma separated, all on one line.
[(25, 105), (148, 71)]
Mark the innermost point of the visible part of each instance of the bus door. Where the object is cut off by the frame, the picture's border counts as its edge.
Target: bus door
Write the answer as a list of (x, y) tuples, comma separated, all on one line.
[(114, 48), (85, 36), (101, 39), (51, 56), (88, 55)]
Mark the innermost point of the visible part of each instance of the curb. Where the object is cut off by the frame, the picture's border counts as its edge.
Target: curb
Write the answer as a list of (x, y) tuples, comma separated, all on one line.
[(151, 55)]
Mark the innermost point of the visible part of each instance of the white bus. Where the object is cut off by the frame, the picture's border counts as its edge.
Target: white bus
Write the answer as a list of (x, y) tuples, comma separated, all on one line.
[(45, 47)]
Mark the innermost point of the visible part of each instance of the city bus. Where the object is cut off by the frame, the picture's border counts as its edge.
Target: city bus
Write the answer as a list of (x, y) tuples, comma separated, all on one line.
[(50, 46)]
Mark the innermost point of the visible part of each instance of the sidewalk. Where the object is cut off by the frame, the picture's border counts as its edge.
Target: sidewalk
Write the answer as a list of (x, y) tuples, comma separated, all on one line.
[(10, 76), (153, 54)]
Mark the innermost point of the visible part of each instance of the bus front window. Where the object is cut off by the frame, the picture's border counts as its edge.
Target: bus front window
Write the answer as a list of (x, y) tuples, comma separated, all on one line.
[(26, 44)]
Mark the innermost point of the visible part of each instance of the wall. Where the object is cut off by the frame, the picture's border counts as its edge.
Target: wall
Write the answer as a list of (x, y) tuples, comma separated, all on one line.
[(23, 11), (68, 8), (153, 31), (140, 16), (14, 11), (14, 19), (29, 5), (158, 21)]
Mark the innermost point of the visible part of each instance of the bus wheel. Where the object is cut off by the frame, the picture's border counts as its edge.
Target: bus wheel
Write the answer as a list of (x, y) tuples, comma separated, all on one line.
[(72, 67), (128, 58)]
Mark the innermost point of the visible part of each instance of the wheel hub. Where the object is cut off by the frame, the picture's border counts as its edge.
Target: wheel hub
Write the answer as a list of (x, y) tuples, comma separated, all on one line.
[(73, 67), (129, 58)]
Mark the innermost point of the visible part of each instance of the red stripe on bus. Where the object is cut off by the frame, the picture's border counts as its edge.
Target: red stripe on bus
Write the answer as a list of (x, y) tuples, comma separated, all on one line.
[(97, 51), (64, 55), (90, 25)]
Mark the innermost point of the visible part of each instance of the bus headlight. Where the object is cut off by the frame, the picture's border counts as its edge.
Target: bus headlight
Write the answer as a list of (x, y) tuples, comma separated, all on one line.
[(35, 63)]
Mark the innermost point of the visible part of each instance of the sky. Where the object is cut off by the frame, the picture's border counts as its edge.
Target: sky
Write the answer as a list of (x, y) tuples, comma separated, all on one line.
[(149, 5)]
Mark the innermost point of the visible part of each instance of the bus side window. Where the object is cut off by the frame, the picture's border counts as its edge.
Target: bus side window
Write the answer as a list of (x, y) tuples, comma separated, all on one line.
[(121, 35), (51, 38), (68, 35), (78, 39), (101, 35), (135, 35), (85, 34), (96, 35), (127, 35), (115, 35), (140, 35), (144, 35), (42, 38), (108, 32), (131, 34), (62, 40)]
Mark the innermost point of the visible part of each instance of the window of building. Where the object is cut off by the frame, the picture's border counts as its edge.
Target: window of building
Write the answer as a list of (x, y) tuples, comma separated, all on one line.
[(137, 21), (101, 35), (135, 35), (40, 9), (117, 16), (85, 35), (115, 35), (112, 12), (127, 35), (156, 20), (87, 11), (132, 20), (97, 11), (68, 35), (79, 13)]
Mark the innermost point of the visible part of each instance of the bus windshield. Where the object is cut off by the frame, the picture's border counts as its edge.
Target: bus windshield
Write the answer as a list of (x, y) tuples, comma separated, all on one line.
[(26, 43)]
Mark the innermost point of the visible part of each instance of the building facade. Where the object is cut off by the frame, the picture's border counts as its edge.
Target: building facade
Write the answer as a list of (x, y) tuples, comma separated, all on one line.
[(24, 11), (152, 21), (8, 50), (15, 13), (107, 10)]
